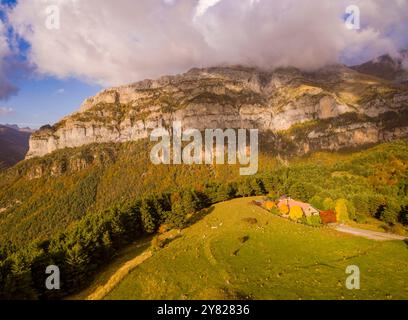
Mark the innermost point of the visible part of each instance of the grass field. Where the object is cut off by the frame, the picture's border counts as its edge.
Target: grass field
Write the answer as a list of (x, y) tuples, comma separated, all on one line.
[(225, 255)]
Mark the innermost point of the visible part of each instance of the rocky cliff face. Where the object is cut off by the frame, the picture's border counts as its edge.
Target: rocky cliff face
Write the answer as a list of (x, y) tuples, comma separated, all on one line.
[(338, 107)]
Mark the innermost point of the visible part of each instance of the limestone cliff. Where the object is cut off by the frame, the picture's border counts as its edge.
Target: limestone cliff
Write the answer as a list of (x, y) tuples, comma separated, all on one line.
[(240, 97)]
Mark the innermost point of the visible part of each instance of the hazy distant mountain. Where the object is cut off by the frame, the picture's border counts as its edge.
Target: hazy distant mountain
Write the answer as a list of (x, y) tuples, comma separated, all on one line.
[(16, 127), (387, 67), (13, 144)]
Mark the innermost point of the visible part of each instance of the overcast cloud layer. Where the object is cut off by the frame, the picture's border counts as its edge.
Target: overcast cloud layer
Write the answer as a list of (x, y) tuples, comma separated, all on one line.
[(115, 42)]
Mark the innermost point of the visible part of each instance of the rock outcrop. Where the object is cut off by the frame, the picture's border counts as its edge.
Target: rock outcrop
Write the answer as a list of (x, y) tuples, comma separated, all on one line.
[(240, 97)]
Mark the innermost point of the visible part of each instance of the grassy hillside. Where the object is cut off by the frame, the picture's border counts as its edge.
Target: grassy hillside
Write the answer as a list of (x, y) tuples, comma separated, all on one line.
[(226, 255)]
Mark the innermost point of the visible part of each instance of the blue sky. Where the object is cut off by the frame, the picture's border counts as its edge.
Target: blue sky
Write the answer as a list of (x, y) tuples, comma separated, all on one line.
[(45, 101), (46, 74), (40, 99)]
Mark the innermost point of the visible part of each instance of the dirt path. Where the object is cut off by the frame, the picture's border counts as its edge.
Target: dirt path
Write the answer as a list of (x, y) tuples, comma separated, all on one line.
[(373, 235), (119, 275), (122, 272)]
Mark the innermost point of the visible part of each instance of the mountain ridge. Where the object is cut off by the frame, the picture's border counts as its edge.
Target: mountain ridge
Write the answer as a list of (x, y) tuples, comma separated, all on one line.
[(14, 143), (387, 67), (237, 97)]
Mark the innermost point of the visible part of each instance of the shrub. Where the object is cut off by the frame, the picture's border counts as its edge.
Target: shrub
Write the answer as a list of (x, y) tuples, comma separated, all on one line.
[(403, 215), (328, 217), (273, 196), (296, 213), (269, 205), (341, 210), (314, 220), (243, 239), (317, 202), (351, 210), (391, 212), (157, 243), (360, 218), (163, 228), (275, 211), (328, 204), (283, 209)]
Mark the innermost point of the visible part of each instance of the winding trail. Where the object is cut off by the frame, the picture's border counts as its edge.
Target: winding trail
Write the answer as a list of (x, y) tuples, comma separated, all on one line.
[(119, 275)]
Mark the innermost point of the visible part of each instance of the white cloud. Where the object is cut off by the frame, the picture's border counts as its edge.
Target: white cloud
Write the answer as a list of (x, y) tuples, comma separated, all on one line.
[(203, 6), (4, 111), (115, 42)]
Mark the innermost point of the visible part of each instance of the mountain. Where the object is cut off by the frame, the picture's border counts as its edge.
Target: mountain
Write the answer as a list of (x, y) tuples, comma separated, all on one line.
[(99, 156), (13, 144), (337, 106), (336, 137), (387, 67), (16, 127)]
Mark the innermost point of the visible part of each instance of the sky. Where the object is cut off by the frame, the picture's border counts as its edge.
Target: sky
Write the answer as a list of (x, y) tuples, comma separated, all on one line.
[(56, 53)]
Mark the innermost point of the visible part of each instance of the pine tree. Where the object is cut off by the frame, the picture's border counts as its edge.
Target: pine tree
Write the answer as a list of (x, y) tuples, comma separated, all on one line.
[(78, 263), (147, 216)]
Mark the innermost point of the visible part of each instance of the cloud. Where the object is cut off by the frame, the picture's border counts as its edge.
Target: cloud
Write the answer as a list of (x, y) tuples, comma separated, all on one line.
[(116, 42), (5, 111), (203, 6), (7, 89)]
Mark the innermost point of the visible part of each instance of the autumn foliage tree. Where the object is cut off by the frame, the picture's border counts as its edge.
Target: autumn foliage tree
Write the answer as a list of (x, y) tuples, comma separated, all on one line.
[(341, 210), (295, 213)]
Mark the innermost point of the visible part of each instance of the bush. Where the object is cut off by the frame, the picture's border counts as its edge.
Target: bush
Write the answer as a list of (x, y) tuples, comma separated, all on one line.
[(269, 205), (403, 216), (243, 239), (296, 213), (283, 209), (156, 243), (360, 218), (317, 202), (391, 212), (351, 210), (275, 211), (328, 204), (314, 220), (341, 210)]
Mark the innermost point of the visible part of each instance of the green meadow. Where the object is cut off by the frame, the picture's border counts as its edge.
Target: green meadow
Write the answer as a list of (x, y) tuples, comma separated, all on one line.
[(240, 251)]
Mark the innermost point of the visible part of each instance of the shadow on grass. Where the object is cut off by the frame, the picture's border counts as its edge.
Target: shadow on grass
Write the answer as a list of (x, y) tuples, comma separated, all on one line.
[(406, 242), (199, 216), (167, 241)]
